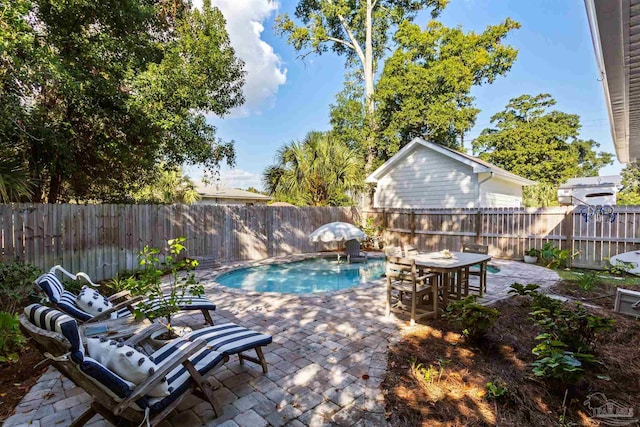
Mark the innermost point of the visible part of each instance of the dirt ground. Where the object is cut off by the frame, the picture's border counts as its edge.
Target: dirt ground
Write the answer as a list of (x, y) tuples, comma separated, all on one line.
[(17, 378), (453, 392)]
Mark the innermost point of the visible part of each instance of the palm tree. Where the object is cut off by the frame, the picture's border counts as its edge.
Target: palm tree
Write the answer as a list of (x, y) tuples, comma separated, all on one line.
[(169, 186), (15, 182), (317, 171)]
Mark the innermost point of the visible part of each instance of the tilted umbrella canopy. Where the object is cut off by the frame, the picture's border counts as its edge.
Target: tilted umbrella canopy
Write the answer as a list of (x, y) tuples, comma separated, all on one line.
[(337, 232)]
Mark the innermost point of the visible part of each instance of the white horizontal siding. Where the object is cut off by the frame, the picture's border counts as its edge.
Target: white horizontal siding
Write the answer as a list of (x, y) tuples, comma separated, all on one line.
[(497, 192), (427, 179)]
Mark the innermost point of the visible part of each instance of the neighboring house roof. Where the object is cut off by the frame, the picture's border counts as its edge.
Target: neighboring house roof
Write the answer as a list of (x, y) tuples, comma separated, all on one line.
[(217, 192), (479, 166), (614, 32), (593, 181)]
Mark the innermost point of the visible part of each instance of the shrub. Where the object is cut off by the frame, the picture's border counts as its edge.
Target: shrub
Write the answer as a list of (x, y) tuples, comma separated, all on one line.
[(533, 252), (524, 290), (555, 363), (587, 281), (11, 339), (16, 283), (620, 268), (554, 257), (165, 297), (475, 319), (496, 389)]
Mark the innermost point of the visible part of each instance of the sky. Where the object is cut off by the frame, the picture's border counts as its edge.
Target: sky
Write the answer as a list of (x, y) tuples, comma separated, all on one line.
[(286, 96)]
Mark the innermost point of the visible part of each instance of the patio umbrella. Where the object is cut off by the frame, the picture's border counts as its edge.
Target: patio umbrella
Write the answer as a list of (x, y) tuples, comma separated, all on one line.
[(337, 232)]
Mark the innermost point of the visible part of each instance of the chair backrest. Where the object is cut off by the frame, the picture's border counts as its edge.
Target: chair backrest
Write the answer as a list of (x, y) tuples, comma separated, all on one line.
[(352, 247), (400, 268), (475, 249), (59, 297), (390, 251), (410, 250), (57, 333)]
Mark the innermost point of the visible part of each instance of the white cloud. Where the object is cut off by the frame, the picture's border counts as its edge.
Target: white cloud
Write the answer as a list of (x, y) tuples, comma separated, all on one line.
[(263, 66)]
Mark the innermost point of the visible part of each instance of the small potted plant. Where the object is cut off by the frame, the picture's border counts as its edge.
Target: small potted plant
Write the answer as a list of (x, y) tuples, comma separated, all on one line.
[(165, 296), (531, 256)]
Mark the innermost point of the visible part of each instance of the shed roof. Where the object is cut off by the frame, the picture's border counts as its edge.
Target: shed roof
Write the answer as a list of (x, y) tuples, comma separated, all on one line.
[(215, 191), (477, 164), (593, 181)]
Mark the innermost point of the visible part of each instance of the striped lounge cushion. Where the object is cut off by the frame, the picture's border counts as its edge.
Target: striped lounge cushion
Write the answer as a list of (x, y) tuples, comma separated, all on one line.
[(187, 302), (179, 378), (56, 321), (51, 286), (229, 338)]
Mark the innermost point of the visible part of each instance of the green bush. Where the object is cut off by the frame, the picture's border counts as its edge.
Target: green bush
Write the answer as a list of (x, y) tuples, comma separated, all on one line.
[(566, 346), (474, 319), (16, 283), (496, 389), (524, 290), (587, 281), (553, 256), (620, 268), (11, 339), (165, 296)]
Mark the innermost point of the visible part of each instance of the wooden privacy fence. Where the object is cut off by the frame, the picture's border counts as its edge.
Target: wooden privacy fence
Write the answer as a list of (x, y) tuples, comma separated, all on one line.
[(103, 240), (509, 232)]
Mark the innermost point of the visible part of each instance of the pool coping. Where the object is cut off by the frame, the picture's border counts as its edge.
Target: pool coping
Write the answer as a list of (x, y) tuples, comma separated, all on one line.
[(210, 275)]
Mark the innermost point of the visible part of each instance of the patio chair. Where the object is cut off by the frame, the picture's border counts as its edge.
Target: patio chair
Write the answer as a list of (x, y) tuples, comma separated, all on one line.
[(479, 270), (67, 301), (354, 254), (402, 276), (185, 366)]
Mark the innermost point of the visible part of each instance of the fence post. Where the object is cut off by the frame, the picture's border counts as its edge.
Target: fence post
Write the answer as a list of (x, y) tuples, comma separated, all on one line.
[(478, 227), (567, 225), (412, 226)]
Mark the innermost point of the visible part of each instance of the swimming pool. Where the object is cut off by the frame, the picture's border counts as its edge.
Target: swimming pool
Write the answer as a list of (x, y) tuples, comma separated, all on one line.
[(307, 276)]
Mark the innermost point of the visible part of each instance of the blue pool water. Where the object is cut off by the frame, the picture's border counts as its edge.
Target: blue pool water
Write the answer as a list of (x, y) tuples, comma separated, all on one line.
[(312, 275)]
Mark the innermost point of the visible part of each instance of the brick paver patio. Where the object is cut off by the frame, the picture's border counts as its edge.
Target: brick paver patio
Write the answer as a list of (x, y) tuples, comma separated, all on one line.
[(326, 363)]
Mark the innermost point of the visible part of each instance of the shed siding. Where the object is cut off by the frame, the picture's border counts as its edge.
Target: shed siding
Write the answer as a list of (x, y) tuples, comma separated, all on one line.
[(498, 192), (427, 179)]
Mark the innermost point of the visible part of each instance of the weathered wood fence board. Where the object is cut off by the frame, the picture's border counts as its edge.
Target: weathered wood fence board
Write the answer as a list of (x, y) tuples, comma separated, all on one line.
[(509, 232), (103, 240)]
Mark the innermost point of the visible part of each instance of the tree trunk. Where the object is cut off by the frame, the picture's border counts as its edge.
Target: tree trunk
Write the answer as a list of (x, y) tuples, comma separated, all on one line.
[(55, 185), (369, 89)]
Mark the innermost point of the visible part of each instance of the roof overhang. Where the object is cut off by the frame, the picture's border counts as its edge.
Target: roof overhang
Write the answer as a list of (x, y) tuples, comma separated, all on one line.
[(615, 32), (476, 166)]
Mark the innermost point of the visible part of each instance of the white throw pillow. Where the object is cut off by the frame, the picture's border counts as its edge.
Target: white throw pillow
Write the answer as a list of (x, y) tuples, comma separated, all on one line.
[(127, 362), (92, 302)]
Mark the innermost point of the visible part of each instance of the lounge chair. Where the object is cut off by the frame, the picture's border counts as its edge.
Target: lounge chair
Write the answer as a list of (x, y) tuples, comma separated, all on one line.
[(354, 254), (184, 364), (66, 301)]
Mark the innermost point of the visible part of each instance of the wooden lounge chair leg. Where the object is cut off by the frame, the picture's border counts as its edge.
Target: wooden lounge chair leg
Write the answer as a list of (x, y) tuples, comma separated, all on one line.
[(204, 387), (263, 361), (388, 309), (84, 417), (414, 296), (207, 317), (241, 358)]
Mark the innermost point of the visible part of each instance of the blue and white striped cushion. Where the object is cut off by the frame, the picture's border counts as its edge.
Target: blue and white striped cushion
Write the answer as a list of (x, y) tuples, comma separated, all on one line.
[(68, 304), (186, 303), (56, 321), (229, 338), (51, 286), (179, 378)]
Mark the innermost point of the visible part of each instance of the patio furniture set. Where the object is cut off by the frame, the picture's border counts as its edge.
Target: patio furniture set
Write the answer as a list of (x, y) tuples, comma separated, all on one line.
[(110, 356), (428, 280)]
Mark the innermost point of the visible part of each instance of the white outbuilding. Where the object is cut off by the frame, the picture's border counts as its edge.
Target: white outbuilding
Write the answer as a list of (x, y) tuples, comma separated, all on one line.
[(427, 175)]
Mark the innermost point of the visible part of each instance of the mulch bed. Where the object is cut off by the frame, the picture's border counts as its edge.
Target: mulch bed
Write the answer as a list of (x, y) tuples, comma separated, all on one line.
[(17, 378), (456, 395)]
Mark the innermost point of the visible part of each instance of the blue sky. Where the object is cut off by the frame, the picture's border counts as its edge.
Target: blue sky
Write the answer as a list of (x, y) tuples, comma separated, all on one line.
[(288, 97)]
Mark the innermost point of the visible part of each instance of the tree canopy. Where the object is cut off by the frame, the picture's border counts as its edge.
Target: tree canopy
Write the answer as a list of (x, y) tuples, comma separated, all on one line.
[(318, 171), (100, 93), (533, 142), (630, 193)]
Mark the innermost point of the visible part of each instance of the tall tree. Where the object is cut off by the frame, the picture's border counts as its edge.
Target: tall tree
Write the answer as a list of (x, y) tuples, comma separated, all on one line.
[(358, 29), (630, 193), (318, 171), (538, 144), (424, 89), (115, 89), (169, 186)]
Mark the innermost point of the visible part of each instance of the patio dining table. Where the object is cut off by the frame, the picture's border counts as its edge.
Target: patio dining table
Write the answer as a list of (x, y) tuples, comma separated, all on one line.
[(451, 267)]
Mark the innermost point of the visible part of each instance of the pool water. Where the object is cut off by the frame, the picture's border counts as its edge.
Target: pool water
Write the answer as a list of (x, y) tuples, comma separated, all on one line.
[(312, 275)]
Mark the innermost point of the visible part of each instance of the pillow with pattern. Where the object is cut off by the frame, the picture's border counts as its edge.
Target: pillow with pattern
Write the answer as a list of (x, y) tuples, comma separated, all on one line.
[(92, 302)]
